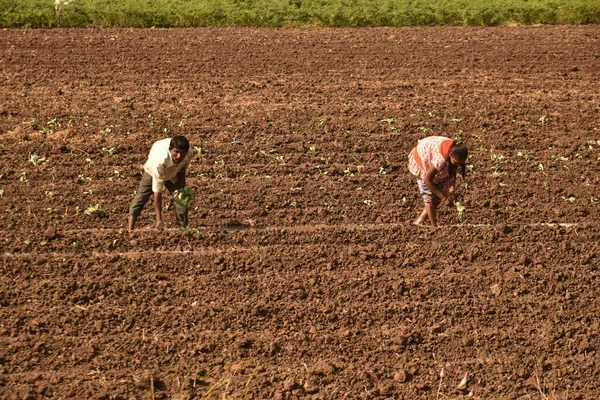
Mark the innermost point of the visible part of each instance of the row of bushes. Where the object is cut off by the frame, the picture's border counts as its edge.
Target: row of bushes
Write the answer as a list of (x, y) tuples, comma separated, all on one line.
[(292, 13)]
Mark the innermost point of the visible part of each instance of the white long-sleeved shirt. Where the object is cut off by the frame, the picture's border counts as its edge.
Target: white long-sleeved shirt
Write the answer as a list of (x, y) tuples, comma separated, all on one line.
[(160, 165)]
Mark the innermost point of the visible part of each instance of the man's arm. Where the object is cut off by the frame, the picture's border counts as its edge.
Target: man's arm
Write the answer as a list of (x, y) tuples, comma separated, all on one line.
[(158, 209), (181, 178)]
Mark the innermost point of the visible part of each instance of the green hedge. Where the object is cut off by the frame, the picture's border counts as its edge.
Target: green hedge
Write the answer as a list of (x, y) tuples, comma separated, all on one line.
[(290, 13)]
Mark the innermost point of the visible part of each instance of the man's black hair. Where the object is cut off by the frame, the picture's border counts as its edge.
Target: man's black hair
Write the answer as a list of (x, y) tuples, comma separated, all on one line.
[(179, 143)]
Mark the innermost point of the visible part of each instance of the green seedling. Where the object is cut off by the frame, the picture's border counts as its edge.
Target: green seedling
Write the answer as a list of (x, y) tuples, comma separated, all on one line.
[(184, 196), (525, 156), (389, 120), (82, 178), (460, 210), (570, 199), (36, 160), (560, 158), (106, 130), (368, 202), (23, 177), (382, 171), (50, 210), (96, 210), (49, 193), (116, 175), (543, 119), (112, 150), (497, 157)]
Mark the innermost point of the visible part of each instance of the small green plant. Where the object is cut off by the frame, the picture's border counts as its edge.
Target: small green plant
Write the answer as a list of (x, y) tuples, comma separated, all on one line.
[(543, 119), (106, 130), (460, 211), (96, 210), (389, 120), (112, 150), (23, 177), (525, 156), (51, 210), (36, 160), (184, 196), (115, 176), (382, 171), (570, 199), (560, 158), (83, 178)]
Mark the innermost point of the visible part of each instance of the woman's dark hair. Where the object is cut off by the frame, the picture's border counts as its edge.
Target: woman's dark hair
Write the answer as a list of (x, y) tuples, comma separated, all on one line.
[(179, 143), (459, 151)]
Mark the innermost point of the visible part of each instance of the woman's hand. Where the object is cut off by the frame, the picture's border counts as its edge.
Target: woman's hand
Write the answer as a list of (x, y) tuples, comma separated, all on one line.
[(451, 198)]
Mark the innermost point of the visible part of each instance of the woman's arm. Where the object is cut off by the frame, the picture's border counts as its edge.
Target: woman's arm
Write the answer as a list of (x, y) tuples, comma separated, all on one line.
[(428, 178)]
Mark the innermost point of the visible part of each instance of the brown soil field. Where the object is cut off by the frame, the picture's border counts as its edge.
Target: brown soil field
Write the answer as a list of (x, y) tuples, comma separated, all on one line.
[(301, 275)]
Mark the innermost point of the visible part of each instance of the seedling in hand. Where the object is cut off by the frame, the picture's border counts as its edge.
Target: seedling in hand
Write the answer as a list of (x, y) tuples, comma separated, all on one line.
[(184, 196)]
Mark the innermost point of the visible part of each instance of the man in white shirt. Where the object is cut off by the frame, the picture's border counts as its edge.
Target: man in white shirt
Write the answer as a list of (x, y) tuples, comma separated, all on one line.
[(166, 167)]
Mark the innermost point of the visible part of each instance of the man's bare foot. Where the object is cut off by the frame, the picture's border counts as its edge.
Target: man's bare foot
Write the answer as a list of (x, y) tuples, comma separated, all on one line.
[(418, 222)]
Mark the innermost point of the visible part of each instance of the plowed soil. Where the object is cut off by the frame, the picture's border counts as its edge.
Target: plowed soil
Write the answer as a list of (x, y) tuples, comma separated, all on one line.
[(301, 274)]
